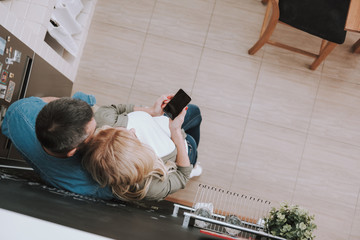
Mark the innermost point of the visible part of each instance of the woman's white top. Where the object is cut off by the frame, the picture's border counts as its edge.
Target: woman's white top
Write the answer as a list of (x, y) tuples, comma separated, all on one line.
[(153, 131)]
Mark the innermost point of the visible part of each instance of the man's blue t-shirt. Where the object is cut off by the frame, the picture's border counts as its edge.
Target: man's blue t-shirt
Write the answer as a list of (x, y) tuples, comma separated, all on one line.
[(63, 173)]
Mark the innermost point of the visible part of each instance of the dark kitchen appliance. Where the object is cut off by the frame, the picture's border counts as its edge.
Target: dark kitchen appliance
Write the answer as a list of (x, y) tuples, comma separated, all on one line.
[(24, 74)]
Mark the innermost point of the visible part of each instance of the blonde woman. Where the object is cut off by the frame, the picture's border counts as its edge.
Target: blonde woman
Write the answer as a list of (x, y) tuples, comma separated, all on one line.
[(140, 153)]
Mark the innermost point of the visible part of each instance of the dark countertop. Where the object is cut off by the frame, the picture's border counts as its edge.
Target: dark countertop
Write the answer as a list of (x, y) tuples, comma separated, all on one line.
[(113, 219)]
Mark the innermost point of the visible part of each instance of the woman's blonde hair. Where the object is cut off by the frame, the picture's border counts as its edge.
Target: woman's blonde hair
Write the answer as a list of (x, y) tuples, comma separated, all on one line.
[(117, 159)]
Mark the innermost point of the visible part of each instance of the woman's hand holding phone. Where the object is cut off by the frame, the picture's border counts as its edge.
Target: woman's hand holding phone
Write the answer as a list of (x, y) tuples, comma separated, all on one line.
[(176, 104), (158, 107)]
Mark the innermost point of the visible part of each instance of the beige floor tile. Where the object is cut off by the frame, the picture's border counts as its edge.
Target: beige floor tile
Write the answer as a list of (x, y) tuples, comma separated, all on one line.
[(132, 14), (342, 63), (114, 93), (221, 136), (232, 7), (235, 33), (167, 65), (284, 97), (269, 161), (325, 171), (332, 220), (222, 85), (296, 38), (326, 184), (117, 64), (279, 56), (287, 58), (336, 113), (355, 229), (183, 20), (218, 150)]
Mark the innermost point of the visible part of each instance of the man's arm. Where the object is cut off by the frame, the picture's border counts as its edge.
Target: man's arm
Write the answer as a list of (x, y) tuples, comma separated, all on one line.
[(90, 99), (49, 99)]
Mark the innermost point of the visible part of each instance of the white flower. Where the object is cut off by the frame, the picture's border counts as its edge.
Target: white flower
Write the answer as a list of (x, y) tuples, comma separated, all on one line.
[(302, 226), (302, 211), (281, 220), (286, 228), (280, 216)]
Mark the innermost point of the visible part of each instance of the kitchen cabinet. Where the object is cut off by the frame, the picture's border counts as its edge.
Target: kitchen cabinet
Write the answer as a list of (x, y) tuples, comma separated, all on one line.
[(29, 75)]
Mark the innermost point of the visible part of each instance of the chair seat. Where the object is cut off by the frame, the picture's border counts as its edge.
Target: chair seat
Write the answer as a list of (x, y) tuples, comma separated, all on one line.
[(323, 18)]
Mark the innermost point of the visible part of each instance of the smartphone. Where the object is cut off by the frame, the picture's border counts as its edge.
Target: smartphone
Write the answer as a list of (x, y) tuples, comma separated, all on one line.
[(177, 104)]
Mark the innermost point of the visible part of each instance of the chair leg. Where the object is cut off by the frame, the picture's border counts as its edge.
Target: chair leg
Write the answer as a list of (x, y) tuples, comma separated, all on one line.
[(356, 47), (324, 52), (260, 43), (323, 45), (268, 26)]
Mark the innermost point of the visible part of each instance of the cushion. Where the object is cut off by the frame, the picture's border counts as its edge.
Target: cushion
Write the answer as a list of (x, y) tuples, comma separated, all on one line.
[(323, 18)]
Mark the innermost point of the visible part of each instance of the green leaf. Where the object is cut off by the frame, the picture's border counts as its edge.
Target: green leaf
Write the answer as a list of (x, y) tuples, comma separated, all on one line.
[(291, 222)]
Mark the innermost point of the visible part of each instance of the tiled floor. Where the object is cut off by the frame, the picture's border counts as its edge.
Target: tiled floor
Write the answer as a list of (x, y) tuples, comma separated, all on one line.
[(271, 127)]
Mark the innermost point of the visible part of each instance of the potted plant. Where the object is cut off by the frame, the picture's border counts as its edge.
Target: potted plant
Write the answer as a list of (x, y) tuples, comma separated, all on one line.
[(290, 222)]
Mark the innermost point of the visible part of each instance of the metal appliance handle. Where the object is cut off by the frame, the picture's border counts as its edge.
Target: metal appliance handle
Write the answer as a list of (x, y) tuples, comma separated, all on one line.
[(26, 77)]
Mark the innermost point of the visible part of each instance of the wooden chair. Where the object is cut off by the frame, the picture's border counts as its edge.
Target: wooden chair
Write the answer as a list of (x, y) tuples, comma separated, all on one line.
[(322, 18), (356, 47)]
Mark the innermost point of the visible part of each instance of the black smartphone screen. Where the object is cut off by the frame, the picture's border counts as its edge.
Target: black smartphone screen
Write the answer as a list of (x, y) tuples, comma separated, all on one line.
[(177, 104)]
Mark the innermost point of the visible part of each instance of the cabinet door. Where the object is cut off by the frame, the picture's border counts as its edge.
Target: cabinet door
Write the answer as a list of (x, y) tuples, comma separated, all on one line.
[(15, 65), (46, 81)]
